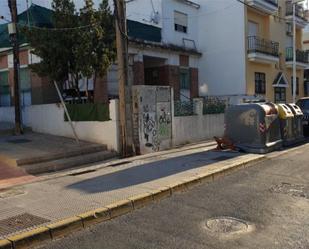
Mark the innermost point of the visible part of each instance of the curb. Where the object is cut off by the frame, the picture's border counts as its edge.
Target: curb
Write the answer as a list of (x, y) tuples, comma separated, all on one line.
[(66, 226)]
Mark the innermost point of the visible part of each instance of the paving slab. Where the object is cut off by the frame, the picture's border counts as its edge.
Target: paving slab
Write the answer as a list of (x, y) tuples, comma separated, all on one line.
[(33, 145), (13, 175), (67, 195)]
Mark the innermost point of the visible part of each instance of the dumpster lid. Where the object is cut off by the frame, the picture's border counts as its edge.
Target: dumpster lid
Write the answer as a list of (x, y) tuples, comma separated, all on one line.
[(295, 109), (269, 108), (284, 111)]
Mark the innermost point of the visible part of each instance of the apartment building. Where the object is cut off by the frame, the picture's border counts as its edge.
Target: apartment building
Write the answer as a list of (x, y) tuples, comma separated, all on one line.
[(249, 55), (163, 50), (163, 45)]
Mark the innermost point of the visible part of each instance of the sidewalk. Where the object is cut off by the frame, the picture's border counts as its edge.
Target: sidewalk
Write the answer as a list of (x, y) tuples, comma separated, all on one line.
[(37, 153), (13, 175), (59, 196)]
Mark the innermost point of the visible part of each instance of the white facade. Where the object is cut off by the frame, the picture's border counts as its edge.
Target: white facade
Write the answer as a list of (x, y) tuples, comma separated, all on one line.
[(145, 11), (215, 28), (160, 13), (169, 35), (222, 42)]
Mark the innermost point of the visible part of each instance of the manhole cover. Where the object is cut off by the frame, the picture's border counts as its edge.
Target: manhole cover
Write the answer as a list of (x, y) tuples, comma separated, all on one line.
[(19, 222), (295, 190), (19, 141), (227, 225)]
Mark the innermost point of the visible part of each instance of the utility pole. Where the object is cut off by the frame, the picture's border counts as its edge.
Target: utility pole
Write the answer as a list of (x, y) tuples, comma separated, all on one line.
[(13, 31), (294, 3), (127, 147), (294, 54)]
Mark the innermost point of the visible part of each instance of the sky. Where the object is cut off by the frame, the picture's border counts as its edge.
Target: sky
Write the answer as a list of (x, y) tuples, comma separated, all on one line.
[(22, 5)]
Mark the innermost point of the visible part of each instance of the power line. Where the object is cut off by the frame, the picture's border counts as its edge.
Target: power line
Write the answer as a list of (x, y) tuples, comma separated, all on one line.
[(59, 29)]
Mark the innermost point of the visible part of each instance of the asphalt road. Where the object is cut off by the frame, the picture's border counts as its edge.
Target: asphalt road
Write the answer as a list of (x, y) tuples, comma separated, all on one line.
[(271, 197)]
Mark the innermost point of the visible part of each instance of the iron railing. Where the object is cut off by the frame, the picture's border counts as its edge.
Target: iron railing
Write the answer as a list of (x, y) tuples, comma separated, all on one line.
[(301, 56), (213, 105), (260, 45), (299, 10), (184, 108)]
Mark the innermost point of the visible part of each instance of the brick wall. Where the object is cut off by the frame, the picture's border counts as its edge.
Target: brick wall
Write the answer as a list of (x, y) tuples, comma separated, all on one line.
[(23, 57), (36, 89), (100, 90), (3, 61), (43, 90)]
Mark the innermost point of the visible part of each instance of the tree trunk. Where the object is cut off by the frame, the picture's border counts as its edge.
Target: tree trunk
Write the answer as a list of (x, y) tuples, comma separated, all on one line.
[(87, 86), (94, 82), (77, 88)]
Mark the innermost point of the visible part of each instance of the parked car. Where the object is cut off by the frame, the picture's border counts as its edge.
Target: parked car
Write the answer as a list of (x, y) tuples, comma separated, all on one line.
[(303, 103)]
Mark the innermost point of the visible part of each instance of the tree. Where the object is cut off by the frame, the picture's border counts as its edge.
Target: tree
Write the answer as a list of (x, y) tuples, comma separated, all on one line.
[(97, 51), (80, 44)]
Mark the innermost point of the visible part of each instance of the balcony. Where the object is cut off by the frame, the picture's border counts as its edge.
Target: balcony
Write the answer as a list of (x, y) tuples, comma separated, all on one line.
[(262, 50), (302, 58), (266, 6), (300, 16)]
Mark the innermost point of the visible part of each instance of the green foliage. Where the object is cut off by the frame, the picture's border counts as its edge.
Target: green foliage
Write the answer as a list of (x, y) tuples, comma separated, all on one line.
[(81, 44), (88, 112)]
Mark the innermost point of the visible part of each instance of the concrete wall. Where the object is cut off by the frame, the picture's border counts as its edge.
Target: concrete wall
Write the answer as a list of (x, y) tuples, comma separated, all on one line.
[(190, 129), (199, 127), (50, 119)]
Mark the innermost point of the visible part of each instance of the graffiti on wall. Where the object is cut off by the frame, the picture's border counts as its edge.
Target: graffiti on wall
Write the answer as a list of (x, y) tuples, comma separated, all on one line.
[(150, 132), (152, 104), (164, 123)]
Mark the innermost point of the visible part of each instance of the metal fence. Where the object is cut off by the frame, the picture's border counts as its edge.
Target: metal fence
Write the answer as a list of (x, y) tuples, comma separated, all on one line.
[(184, 108), (260, 45), (213, 105), (301, 56)]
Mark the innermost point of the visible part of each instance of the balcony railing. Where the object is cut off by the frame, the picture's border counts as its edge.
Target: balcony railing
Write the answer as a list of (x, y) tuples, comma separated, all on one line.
[(299, 10), (260, 45), (301, 56)]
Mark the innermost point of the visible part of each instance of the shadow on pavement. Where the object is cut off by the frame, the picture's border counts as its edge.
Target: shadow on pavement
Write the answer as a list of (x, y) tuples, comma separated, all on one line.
[(150, 171)]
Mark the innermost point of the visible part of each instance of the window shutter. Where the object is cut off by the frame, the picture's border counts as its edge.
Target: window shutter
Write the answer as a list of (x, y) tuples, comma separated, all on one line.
[(180, 19)]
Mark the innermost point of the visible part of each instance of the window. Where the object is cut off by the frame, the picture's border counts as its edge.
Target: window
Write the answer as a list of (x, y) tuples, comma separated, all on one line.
[(181, 22), (253, 28), (289, 29), (5, 96), (280, 94), (297, 85), (185, 87), (260, 83), (306, 88)]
